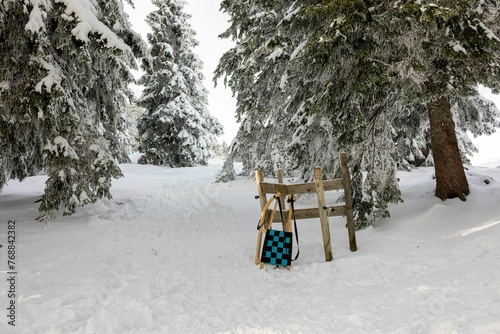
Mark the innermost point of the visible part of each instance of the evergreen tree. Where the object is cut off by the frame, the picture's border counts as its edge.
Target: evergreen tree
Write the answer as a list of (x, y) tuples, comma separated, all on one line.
[(127, 128), (227, 173), (20, 143), (306, 109), (176, 128), (65, 68), (252, 70), (446, 50), (224, 149), (339, 84)]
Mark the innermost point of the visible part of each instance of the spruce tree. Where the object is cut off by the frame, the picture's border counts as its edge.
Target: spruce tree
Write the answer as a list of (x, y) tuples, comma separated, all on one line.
[(446, 50), (127, 127), (255, 71), (302, 98), (65, 67), (227, 173), (343, 82), (176, 128), (20, 142)]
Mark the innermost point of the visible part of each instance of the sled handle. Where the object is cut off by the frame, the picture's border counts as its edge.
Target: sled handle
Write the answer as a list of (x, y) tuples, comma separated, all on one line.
[(261, 226), (263, 215)]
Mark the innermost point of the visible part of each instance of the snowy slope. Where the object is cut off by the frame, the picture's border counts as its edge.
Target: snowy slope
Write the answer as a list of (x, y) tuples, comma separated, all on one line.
[(173, 253)]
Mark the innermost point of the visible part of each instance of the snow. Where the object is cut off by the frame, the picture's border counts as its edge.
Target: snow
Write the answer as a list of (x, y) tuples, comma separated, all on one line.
[(457, 47), (291, 12), (284, 81), (37, 16), (173, 252), (53, 77), (277, 52), (85, 13), (4, 86), (297, 50), (61, 146), (489, 33)]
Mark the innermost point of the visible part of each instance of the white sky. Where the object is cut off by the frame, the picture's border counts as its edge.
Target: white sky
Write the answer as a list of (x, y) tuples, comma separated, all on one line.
[(209, 23)]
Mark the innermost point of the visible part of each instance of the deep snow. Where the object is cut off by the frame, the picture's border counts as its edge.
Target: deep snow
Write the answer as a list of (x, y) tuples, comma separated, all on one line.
[(173, 253)]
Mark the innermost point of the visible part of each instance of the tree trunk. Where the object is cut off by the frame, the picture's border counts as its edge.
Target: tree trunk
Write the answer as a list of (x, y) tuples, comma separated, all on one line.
[(451, 181)]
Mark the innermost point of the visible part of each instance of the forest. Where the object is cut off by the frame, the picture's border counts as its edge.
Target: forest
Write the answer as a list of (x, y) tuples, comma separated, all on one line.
[(122, 211), (391, 83)]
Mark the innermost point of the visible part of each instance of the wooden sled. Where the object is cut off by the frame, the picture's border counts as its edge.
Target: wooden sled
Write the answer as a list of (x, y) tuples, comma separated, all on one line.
[(266, 221)]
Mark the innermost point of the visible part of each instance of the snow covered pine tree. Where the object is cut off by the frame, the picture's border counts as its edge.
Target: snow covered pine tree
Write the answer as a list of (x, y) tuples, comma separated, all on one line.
[(301, 95), (447, 49), (254, 69), (340, 75), (63, 66), (176, 128)]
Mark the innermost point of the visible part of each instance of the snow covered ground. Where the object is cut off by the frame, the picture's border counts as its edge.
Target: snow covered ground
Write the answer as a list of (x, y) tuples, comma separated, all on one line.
[(173, 253)]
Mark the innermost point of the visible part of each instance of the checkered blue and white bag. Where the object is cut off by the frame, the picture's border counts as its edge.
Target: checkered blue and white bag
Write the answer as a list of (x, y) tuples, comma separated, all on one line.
[(278, 244), (277, 249)]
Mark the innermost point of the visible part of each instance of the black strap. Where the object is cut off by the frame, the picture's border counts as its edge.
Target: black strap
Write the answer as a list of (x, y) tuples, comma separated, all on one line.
[(296, 231), (259, 226), (281, 213), (281, 210), (282, 221)]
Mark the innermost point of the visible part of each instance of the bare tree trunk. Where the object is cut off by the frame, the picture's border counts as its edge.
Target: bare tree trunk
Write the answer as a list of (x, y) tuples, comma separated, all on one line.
[(451, 181)]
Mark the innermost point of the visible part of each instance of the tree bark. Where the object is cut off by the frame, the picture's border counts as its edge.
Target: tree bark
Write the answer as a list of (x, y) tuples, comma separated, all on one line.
[(451, 181)]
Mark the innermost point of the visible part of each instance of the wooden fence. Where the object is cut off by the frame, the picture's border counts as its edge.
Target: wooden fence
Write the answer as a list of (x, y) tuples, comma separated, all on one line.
[(319, 186)]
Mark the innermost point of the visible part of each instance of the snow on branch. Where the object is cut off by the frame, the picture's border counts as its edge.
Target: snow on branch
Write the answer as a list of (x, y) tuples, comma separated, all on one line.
[(291, 12), (53, 77), (297, 50), (4, 86), (489, 33), (457, 47), (37, 15), (61, 147), (85, 13)]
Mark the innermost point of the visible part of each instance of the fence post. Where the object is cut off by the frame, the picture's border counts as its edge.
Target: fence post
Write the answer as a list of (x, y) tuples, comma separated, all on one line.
[(348, 202), (262, 196), (263, 200), (281, 180), (323, 216)]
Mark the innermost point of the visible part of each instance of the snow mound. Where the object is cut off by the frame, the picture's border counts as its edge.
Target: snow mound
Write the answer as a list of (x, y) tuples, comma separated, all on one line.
[(173, 253)]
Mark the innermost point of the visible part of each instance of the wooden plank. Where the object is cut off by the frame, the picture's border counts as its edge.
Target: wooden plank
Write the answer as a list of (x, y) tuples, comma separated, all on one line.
[(310, 187), (311, 213), (289, 189), (348, 203), (300, 188), (273, 188), (325, 228), (336, 211), (335, 184)]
